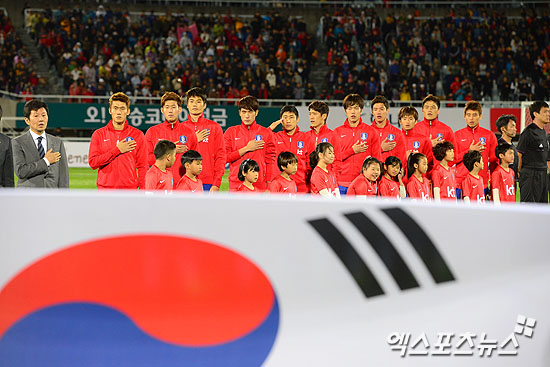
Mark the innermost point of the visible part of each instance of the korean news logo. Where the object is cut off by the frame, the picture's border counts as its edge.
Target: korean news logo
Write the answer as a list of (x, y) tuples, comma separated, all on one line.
[(463, 344)]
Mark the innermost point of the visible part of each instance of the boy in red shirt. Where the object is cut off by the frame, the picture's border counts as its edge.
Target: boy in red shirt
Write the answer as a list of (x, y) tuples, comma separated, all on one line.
[(503, 177), (211, 144), (392, 142), (192, 162), (431, 128), (472, 185), (171, 129), (159, 176), (249, 141), (284, 184), (118, 150), (414, 143), (443, 176), (357, 140)]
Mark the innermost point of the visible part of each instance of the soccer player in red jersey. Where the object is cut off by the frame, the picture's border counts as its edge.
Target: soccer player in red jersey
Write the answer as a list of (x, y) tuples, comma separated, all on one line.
[(472, 185), (210, 139), (171, 129), (503, 177), (291, 139), (391, 184), (248, 175), (320, 133), (391, 139), (159, 176), (323, 180), (284, 184), (443, 176), (357, 140), (431, 127), (366, 184), (192, 162), (249, 140), (417, 186), (118, 150), (414, 143), (474, 137)]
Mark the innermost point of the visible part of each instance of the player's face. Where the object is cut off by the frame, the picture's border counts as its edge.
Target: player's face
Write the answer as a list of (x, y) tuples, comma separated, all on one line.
[(119, 111), (393, 170), (316, 119), (195, 167), (328, 156), (38, 120), (195, 105), (289, 121), (171, 110), (430, 110), (251, 176), (291, 168), (423, 166), (407, 122), (372, 172), (509, 156), (380, 113), (472, 118), (510, 129), (450, 155), (248, 116), (172, 159), (353, 113)]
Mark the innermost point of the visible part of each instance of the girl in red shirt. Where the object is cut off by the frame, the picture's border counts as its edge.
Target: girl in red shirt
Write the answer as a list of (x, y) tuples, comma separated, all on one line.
[(248, 174), (391, 184), (366, 183), (323, 180), (417, 187)]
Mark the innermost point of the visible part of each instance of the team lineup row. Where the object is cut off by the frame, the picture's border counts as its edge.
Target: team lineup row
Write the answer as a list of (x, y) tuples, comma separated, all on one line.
[(123, 154)]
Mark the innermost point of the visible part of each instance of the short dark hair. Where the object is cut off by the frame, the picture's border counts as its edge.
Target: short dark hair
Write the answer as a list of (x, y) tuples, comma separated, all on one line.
[(190, 156), (470, 158), (503, 121), (502, 148), (249, 103), (536, 107), (246, 166), (380, 99), (408, 111), (370, 161), (196, 92), (170, 96), (440, 149), (353, 100), (320, 148), (34, 105), (472, 106), (413, 159), (286, 158), (120, 97), (319, 106), (163, 147), (289, 108), (431, 98), (392, 161)]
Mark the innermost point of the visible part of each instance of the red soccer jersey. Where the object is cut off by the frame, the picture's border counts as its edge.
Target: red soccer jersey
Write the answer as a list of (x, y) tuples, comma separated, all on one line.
[(444, 178), (464, 138), (504, 181), (389, 188), (177, 133), (212, 150), (433, 129), (237, 137), (326, 135), (187, 184), (473, 188), (118, 170), (281, 185), (246, 190), (391, 133), (418, 144), (321, 179), (352, 162), (360, 186), (299, 143), (417, 189), (155, 179)]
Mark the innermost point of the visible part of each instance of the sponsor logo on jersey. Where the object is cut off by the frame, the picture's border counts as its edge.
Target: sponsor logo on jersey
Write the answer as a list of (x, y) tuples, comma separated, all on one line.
[(482, 140), (129, 138), (364, 136), (259, 137), (416, 144), (324, 140), (300, 144), (391, 137), (440, 136), (183, 139)]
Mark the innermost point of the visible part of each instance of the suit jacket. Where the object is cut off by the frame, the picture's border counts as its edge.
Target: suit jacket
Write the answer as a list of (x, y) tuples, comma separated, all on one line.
[(33, 170), (6, 162)]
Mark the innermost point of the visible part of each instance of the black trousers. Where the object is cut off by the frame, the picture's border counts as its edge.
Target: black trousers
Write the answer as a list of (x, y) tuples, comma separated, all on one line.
[(533, 186)]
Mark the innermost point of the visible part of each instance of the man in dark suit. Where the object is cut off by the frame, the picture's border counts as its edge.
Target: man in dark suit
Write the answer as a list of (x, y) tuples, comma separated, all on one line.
[(39, 158), (6, 160)]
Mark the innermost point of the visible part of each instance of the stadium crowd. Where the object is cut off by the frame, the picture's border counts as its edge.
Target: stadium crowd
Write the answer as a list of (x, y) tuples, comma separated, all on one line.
[(480, 56)]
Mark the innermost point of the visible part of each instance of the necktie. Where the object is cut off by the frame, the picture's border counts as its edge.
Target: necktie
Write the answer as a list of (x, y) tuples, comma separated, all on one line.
[(40, 147)]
